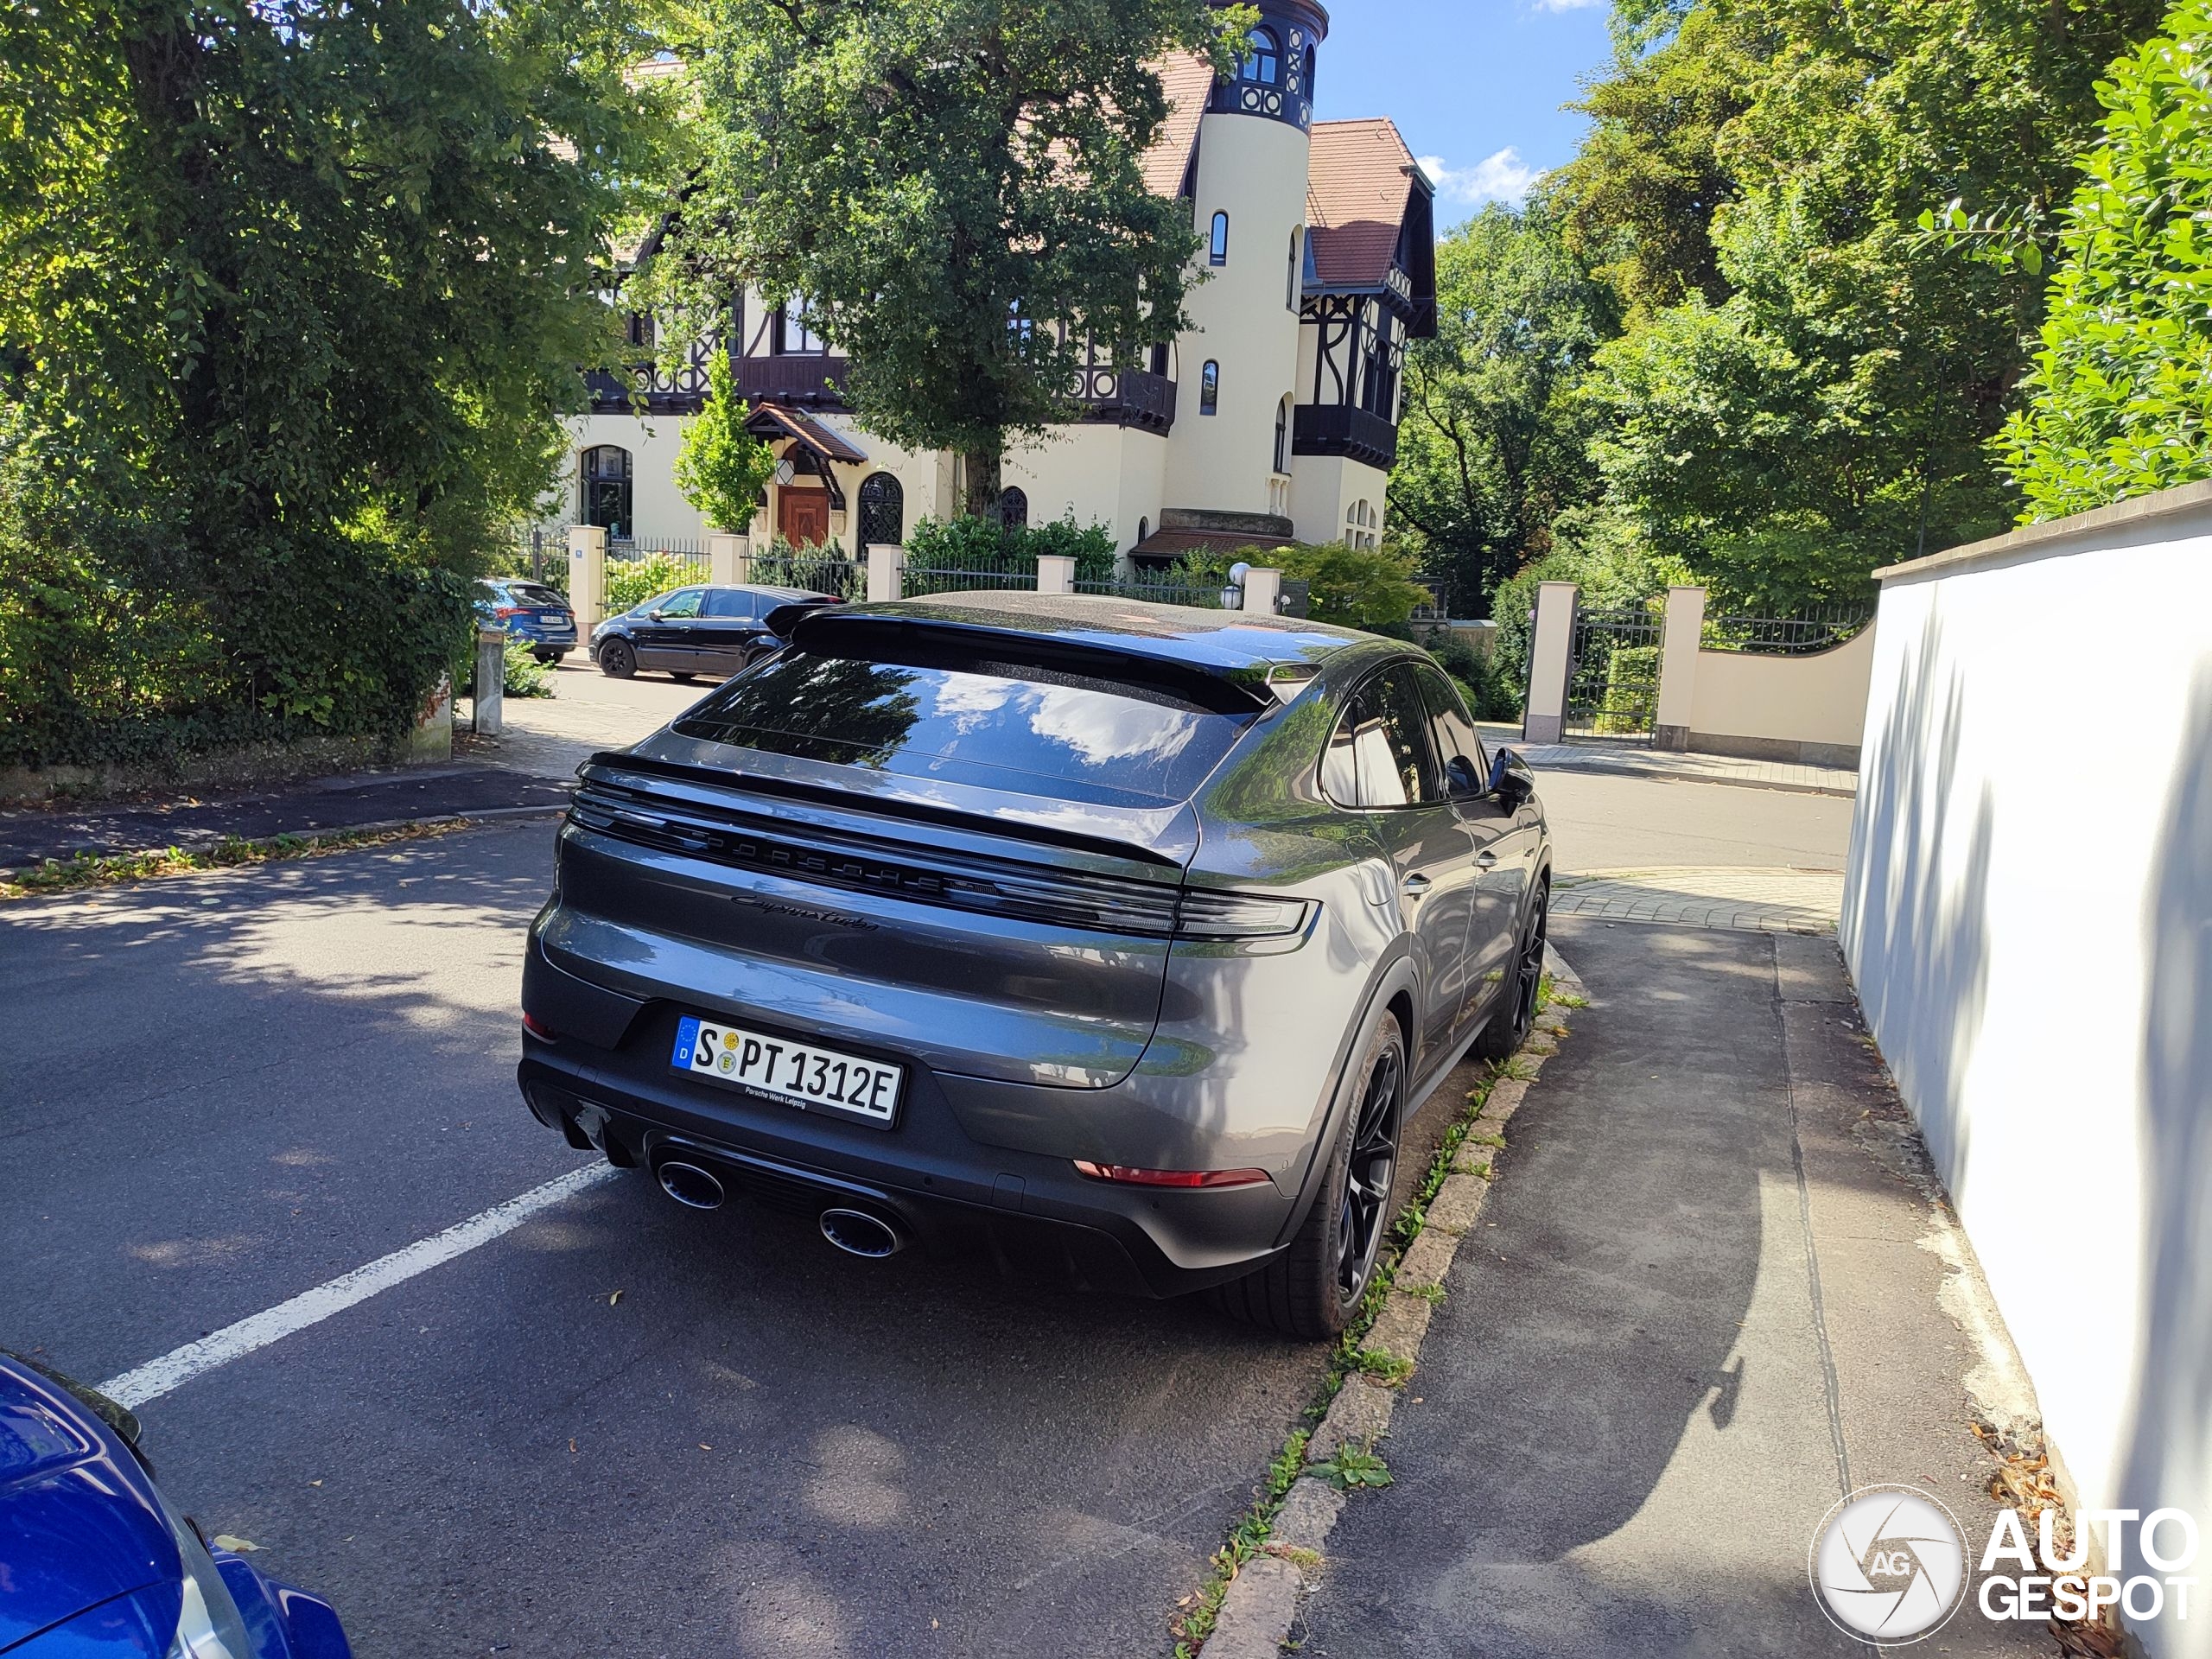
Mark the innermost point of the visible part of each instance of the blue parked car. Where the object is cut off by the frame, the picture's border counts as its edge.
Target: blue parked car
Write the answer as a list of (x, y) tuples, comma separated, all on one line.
[(531, 612), (95, 1564)]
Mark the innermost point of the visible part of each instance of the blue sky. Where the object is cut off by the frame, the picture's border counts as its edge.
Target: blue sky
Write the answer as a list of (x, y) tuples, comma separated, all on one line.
[(1475, 85)]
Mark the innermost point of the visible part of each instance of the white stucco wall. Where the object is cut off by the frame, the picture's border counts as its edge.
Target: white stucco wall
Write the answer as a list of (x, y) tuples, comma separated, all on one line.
[(1107, 475), (2028, 916), (1254, 169), (1322, 491), (655, 502), (1815, 699)]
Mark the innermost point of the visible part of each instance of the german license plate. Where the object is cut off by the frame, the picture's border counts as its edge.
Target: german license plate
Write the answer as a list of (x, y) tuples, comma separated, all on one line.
[(798, 1074)]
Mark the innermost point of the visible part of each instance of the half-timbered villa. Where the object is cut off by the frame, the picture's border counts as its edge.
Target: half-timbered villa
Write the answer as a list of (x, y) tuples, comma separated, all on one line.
[(1272, 418)]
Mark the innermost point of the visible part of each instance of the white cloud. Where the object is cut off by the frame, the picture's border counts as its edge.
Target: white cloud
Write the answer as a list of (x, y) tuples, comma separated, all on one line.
[(1567, 5), (1500, 177)]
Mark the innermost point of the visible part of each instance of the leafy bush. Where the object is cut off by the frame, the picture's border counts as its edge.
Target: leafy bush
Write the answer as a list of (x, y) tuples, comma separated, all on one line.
[(631, 583), (2119, 399), (1355, 587), (1631, 686), (822, 569), (970, 542)]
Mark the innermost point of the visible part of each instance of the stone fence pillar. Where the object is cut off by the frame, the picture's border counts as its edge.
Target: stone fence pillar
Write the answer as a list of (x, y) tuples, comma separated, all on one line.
[(488, 708), (1678, 648), (729, 559), (1262, 589), (587, 576), (1551, 648), (1055, 573), (886, 571)]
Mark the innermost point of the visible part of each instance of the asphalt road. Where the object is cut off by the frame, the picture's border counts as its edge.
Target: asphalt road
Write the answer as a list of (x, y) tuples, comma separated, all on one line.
[(619, 1429)]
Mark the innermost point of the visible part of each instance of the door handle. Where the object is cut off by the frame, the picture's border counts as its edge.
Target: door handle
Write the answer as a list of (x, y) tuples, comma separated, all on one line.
[(1485, 859), (1417, 884)]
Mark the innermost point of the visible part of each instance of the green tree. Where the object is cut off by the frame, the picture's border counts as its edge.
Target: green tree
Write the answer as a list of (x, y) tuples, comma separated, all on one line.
[(1831, 411), (954, 191), (721, 467), (1491, 444), (296, 293), (2119, 399)]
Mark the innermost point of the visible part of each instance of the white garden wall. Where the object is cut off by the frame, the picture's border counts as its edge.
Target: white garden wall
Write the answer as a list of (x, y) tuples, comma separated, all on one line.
[(2028, 916)]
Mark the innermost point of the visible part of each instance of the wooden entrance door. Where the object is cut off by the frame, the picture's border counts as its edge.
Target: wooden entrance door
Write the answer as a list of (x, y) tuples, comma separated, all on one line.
[(802, 516)]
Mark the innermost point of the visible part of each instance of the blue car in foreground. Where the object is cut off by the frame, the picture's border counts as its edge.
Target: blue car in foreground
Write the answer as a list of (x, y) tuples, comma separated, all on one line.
[(96, 1564), (532, 613)]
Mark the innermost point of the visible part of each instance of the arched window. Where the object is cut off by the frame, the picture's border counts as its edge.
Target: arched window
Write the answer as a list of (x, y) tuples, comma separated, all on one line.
[(1144, 530), (1263, 57), (883, 511), (1217, 248), (604, 473), (1309, 72), (1290, 282), (1361, 522), (1013, 508), (1282, 436), (1210, 388)]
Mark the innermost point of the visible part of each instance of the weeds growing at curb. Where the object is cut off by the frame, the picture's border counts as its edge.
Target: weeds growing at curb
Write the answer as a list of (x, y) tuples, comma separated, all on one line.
[(1246, 1539), (107, 870), (1383, 1367), (1351, 1470)]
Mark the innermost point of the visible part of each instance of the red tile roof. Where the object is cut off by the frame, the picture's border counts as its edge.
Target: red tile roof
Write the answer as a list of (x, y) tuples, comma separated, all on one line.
[(1187, 79), (1360, 180)]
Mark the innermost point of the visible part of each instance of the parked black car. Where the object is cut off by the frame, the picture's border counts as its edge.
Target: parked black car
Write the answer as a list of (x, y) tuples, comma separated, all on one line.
[(1121, 938), (700, 630)]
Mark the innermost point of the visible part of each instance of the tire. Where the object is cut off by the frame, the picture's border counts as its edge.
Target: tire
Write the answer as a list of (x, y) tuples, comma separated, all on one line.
[(615, 657), (682, 675), (1507, 1028), (548, 657), (1312, 1289)]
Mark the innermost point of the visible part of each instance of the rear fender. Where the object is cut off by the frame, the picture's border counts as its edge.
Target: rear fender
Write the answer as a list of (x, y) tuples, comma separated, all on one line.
[(1394, 977)]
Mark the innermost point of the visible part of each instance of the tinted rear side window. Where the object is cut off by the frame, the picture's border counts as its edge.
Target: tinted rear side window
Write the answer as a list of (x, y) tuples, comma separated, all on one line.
[(530, 593), (1061, 736), (730, 604)]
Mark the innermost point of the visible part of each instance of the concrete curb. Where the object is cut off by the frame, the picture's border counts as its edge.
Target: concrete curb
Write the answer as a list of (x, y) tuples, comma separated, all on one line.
[(1260, 1604)]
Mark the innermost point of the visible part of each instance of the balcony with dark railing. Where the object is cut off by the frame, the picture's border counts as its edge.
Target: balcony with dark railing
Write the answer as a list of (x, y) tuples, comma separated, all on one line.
[(1344, 429), (809, 380), (1135, 397), (812, 381)]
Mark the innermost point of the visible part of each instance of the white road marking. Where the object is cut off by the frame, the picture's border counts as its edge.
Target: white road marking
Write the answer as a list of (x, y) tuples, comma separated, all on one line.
[(173, 1370)]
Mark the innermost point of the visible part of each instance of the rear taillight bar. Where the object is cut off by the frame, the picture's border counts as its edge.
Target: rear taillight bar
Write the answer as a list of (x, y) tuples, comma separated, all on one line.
[(1129, 1176)]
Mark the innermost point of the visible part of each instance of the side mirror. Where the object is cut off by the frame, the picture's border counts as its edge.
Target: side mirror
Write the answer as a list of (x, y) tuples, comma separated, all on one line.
[(1509, 780), (655, 616)]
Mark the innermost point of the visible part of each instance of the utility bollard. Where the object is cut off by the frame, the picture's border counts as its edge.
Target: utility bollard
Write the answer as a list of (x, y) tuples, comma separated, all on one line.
[(491, 681)]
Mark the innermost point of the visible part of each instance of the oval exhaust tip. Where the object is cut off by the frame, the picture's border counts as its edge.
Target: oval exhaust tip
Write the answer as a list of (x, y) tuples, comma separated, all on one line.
[(858, 1233), (690, 1185)]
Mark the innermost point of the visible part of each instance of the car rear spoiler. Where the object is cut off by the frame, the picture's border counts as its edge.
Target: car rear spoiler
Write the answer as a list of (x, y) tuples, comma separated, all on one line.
[(942, 642)]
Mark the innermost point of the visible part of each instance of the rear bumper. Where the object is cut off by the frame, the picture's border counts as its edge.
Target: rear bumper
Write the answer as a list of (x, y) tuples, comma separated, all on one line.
[(1035, 1215)]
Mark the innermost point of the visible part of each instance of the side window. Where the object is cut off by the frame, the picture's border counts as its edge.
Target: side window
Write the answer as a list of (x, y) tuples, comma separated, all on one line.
[(730, 605), (685, 601), (1378, 756), (1457, 741), (1406, 722)]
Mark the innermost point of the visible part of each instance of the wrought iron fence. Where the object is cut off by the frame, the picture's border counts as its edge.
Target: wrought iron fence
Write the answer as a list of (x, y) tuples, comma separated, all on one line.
[(921, 581), (530, 551), (688, 556), (1612, 686), (1820, 627), (817, 573), (1157, 593)]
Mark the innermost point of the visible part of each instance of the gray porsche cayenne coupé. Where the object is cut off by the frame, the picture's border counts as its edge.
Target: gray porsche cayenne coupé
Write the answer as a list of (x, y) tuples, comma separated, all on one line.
[(1118, 938)]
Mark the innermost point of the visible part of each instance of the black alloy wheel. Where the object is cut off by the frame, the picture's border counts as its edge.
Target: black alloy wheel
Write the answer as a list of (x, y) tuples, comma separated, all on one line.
[(1509, 1026), (1364, 1200), (616, 658)]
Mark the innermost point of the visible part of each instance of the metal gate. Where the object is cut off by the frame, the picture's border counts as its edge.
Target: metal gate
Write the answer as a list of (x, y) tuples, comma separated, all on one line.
[(1613, 674)]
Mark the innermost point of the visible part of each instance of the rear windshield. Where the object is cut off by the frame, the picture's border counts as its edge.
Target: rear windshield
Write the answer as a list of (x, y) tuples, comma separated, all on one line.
[(1032, 732), (530, 593)]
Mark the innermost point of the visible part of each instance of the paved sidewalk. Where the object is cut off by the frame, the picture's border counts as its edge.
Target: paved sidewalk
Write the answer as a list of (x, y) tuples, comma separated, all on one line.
[(1706, 1298), (1638, 760), (1761, 901)]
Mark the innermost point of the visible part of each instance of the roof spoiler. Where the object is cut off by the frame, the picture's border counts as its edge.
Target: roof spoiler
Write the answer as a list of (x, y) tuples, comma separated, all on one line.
[(936, 642)]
